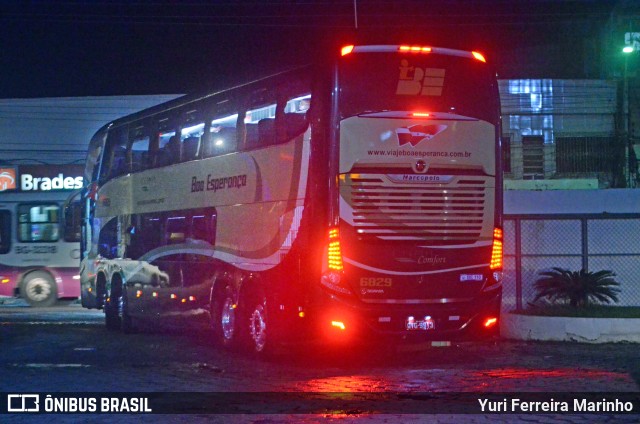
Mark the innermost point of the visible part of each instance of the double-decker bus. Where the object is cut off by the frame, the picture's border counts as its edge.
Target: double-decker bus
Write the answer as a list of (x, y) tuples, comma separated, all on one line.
[(356, 197), (40, 232)]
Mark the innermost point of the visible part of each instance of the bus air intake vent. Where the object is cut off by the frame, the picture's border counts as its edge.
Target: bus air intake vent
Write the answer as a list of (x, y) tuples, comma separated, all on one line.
[(436, 214)]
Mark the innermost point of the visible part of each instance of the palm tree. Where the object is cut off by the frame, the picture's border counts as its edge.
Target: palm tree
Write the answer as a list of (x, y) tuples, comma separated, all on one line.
[(577, 288)]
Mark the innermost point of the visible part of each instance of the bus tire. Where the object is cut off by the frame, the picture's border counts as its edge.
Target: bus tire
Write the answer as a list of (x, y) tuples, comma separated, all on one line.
[(39, 289), (256, 323), (111, 318), (116, 309), (224, 317), (126, 322)]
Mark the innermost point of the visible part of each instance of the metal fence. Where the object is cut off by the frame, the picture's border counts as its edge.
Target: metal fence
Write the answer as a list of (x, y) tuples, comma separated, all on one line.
[(536, 243)]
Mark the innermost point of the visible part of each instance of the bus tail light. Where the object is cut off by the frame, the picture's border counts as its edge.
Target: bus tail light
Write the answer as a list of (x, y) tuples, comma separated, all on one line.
[(415, 49), (334, 251), (490, 322), (346, 50), (332, 267), (479, 56), (497, 250), (338, 324)]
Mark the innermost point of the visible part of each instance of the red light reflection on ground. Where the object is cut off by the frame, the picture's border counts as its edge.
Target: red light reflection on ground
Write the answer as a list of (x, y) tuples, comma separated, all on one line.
[(487, 380), (564, 379), (346, 383)]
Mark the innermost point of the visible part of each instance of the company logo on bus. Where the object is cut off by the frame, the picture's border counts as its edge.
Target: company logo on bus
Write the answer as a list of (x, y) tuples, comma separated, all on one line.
[(7, 179), (416, 134), (414, 81)]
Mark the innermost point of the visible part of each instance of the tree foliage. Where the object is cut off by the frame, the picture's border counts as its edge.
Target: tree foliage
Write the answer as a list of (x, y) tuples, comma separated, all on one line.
[(577, 288)]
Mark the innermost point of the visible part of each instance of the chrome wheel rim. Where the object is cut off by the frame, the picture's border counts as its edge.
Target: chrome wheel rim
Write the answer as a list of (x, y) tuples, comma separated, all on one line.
[(258, 327), (228, 318), (120, 306), (38, 289)]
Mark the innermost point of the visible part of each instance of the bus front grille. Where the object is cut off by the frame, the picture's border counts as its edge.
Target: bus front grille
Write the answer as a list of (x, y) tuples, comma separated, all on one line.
[(439, 214)]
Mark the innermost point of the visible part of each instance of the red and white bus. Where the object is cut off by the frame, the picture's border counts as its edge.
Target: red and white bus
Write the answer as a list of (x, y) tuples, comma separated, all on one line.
[(39, 232), (356, 197)]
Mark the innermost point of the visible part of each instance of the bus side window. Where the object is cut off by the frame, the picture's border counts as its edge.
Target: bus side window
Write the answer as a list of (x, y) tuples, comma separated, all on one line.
[(260, 126), (108, 239), (295, 119), (5, 231), (190, 140), (222, 136), (139, 154), (116, 163), (176, 230), (73, 221), (168, 142), (38, 223), (203, 227), (151, 232)]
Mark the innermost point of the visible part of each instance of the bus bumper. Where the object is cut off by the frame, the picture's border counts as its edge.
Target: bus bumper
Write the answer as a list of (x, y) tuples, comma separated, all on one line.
[(341, 320)]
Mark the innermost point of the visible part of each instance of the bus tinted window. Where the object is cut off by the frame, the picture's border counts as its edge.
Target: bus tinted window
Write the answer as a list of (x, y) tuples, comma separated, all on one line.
[(222, 138), (38, 223), (5, 231), (168, 148), (260, 127), (203, 227), (168, 142), (151, 232), (190, 138), (140, 154), (73, 221), (176, 230), (376, 82), (295, 116), (115, 157)]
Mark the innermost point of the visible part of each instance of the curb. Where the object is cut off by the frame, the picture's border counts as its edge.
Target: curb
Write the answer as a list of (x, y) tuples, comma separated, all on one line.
[(584, 330)]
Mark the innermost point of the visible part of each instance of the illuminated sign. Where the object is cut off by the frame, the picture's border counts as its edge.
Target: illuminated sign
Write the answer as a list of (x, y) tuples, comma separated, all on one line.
[(7, 179), (39, 178)]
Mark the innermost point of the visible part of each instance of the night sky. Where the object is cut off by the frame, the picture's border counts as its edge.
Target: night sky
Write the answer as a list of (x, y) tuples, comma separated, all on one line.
[(95, 48)]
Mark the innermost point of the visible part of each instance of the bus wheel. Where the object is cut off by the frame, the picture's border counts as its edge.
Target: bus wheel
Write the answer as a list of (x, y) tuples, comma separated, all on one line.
[(114, 309), (258, 334), (111, 317), (39, 289), (126, 322), (224, 318)]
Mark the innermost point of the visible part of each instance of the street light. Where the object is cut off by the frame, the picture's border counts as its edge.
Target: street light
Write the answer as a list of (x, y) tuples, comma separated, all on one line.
[(628, 49)]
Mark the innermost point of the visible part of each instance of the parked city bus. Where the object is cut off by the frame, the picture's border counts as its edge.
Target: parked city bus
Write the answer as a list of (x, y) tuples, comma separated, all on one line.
[(354, 198), (40, 232)]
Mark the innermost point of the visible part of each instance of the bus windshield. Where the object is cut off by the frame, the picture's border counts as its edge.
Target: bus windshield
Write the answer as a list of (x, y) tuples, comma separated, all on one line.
[(383, 81)]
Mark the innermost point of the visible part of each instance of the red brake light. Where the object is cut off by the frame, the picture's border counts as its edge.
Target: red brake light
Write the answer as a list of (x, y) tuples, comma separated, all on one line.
[(338, 324), (490, 322), (347, 49), (479, 57), (415, 49), (496, 250), (334, 252), (333, 267), (420, 114)]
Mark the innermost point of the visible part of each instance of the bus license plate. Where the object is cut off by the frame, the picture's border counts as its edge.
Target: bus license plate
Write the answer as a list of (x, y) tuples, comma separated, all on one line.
[(420, 324)]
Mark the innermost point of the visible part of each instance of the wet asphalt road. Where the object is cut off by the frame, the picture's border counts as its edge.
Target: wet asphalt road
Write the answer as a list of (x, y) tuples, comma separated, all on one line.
[(67, 349)]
